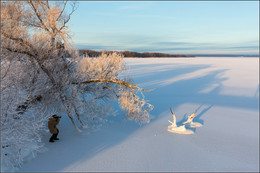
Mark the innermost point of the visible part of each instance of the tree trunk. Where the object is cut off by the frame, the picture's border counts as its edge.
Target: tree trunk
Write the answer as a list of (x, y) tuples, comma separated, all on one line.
[(67, 109), (78, 116)]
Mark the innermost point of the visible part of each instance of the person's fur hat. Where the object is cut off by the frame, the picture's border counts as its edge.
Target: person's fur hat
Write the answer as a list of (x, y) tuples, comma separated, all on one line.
[(55, 116)]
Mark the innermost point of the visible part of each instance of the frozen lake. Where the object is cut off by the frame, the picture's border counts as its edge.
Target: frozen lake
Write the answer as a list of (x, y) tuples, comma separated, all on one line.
[(223, 91)]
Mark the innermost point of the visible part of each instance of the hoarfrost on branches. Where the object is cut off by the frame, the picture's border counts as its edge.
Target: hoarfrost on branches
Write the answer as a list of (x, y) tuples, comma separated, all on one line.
[(40, 70)]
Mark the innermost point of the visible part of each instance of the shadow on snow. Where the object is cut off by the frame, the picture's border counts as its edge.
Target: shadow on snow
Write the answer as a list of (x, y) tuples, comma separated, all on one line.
[(73, 148)]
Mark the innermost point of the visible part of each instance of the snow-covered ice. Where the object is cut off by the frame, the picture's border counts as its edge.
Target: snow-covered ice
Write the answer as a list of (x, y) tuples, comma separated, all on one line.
[(223, 91)]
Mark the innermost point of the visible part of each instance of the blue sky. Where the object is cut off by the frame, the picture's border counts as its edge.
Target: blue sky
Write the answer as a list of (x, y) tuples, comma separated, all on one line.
[(187, 27)]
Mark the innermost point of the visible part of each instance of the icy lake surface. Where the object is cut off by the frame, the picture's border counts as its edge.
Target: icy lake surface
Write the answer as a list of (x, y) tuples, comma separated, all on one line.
[(223, 91)]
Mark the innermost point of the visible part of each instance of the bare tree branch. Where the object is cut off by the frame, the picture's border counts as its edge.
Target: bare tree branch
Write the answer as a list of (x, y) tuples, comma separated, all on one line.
[(38, 15), (21, 41), (47, 3), (66, 21), (19, 51), (9, 65), (62, 10), (117, 81)]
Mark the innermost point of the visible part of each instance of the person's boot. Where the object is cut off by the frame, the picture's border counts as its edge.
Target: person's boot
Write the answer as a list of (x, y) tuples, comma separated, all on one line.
[(56, 139), (52, 138)]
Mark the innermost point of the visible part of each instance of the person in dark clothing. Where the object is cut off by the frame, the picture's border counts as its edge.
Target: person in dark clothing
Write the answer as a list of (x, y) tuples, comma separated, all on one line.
[(54, 136), (53, 121)]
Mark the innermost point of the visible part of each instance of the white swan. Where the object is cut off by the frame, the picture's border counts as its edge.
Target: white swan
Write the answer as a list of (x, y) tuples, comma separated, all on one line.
[(174, 129), (190, 121)]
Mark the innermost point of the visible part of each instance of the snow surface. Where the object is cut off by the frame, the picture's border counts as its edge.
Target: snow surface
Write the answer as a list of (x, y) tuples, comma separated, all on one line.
[(223, 91)]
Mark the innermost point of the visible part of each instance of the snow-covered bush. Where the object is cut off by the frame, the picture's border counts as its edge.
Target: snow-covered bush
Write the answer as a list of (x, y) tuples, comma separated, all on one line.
[(20, 130), (41, 71), (101, 75)]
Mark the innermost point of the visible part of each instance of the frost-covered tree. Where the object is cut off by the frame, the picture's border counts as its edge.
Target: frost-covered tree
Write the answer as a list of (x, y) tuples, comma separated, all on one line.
[(40, 71)]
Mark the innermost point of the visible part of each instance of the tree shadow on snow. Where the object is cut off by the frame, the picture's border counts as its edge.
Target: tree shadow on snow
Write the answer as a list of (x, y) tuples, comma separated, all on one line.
[(198, 117)]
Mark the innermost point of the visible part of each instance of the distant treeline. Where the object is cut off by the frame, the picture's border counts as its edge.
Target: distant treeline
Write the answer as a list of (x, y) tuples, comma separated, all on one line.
[(92, 53)]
